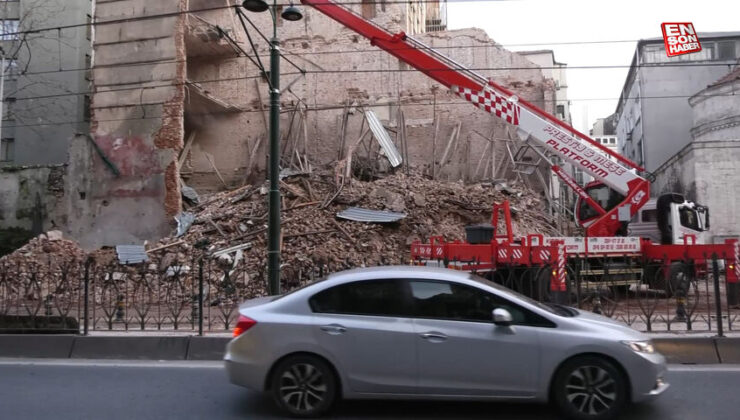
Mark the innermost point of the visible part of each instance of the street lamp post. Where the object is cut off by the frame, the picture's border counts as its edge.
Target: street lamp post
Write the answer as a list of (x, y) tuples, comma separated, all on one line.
[(292, 13)]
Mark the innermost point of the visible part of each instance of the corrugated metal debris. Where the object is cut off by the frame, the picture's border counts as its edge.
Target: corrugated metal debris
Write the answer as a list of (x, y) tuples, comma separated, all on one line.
[(389, 149), (184, 221), (131, 254), (358, 214)]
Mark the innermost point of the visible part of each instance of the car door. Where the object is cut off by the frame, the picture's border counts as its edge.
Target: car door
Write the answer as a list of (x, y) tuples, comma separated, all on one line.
[(461, 351), (365, 327)]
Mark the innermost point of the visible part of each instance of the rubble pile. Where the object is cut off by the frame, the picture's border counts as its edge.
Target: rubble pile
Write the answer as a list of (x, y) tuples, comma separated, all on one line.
[(47, 252), (231, 227), (313, 236)]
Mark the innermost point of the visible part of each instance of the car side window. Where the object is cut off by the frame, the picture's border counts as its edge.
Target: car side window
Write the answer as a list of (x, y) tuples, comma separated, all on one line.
[(458, 302), (369, 297)]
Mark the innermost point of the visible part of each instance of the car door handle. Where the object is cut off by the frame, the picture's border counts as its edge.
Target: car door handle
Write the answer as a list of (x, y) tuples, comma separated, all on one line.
[(434, 337), (333, 329)]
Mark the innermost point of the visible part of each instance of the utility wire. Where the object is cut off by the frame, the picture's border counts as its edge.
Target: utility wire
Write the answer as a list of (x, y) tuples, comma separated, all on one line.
[(329, 107), (331, 72), (584, 67)]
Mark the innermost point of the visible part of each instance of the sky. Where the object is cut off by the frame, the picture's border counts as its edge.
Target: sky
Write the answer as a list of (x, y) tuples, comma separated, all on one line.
[(593, 92)]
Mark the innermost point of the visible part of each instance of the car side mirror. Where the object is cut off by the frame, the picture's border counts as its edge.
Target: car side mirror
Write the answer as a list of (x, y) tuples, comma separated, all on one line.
[(502, 317)]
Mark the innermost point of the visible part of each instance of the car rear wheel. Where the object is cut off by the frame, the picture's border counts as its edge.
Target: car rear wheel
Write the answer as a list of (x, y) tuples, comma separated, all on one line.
[(304, 386), (590, 388)]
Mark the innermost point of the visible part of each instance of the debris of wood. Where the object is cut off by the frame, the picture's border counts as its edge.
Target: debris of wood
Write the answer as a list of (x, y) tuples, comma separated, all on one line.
[(160, 248), (209, 158)]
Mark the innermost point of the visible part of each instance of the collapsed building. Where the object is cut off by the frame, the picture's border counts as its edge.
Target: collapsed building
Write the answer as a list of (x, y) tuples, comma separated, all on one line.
[(180, 107)]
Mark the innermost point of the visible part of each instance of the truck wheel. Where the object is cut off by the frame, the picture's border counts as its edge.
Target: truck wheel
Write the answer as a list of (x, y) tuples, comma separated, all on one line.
[(304, 386), (590, 388), (679, 278)]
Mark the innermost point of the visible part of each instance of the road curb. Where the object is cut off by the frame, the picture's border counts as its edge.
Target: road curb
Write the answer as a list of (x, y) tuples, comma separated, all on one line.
[(130, 348), (678, 350)]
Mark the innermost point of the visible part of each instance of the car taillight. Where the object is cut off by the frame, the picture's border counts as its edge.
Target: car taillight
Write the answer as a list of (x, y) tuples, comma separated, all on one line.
[(243, 325)]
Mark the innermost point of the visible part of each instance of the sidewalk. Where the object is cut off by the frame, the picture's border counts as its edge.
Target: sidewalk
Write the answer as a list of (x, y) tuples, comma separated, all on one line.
[(677, 349)]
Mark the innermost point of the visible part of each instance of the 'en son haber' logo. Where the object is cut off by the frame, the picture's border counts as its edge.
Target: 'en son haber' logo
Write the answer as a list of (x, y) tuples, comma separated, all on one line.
[(680, 38)]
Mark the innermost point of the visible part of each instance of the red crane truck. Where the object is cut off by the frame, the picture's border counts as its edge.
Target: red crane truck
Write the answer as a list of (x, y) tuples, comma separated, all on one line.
[(622, 223)]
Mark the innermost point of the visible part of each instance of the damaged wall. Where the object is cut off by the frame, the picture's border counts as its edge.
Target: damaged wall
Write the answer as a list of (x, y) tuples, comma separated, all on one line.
[(33, 198), (344, 69), (162, 81), (137, 123)]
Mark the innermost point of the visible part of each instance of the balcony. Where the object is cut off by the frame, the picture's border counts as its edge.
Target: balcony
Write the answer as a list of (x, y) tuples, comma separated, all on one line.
[(206, 40), (200, 101)]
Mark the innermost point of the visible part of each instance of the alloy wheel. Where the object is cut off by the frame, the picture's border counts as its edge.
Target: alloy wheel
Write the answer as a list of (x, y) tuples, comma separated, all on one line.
[(591, 390), (302, 387)]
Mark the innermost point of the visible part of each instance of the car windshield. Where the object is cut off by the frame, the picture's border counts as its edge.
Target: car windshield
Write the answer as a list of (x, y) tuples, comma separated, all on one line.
[(552, 308)]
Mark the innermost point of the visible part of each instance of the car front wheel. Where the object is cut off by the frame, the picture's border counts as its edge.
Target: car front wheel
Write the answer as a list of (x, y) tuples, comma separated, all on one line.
[(590, 388), (304, 386)]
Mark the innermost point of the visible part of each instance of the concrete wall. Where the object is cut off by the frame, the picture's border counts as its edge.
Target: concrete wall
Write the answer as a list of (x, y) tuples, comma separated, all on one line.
[(33, 198), (48, 83)]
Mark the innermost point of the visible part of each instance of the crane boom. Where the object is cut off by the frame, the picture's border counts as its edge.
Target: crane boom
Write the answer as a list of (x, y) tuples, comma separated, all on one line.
[(532, 122)]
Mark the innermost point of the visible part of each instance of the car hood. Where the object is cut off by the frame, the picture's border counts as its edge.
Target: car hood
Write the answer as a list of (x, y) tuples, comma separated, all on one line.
[(601, 322)]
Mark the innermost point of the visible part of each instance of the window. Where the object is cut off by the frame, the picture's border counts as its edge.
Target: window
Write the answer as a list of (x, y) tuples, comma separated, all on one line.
[(604, 197), (371, 297), (9, 29), (650, 216), (561, 111), (88, 28), (7, 150), (457, 302), (8, 108), (726, 50), (87, 111), (689, 218), (88, 67), (612, 140), (368, 9)]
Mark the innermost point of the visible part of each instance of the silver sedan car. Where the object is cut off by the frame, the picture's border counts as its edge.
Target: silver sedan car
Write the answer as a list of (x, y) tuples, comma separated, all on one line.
[(430, 333)]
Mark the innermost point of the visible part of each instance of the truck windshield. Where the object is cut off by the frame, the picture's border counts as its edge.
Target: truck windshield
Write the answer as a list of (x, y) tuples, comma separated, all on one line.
[(689, 218)]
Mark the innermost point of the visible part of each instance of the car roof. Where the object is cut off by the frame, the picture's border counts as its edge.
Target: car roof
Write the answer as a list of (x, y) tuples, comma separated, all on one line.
[(396, 270)]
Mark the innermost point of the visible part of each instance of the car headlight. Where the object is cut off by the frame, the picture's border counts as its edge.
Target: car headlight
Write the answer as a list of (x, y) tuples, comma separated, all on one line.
[(640, 346)]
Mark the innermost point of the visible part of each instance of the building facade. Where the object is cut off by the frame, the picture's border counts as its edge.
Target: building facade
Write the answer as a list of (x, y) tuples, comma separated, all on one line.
[(604, 131), (556, 71), (47, 78), (654, 116), (706, 170)]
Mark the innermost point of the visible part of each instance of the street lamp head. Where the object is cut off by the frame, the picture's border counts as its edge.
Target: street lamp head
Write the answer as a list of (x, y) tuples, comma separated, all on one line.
[(255, 5), (292, 13)]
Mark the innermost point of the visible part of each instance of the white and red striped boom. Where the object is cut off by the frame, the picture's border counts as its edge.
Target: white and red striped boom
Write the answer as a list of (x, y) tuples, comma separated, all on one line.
[(531, 121)]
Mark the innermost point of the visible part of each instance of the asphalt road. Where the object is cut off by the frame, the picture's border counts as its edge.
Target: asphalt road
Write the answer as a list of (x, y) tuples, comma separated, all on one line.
[(65, 389)]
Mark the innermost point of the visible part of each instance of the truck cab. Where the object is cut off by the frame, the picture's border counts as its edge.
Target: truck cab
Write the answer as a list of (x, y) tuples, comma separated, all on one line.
[(669, 218), (665, 220)]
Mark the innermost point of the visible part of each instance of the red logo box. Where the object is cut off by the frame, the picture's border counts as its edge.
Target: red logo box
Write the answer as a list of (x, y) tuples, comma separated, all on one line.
[(680, 38)]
